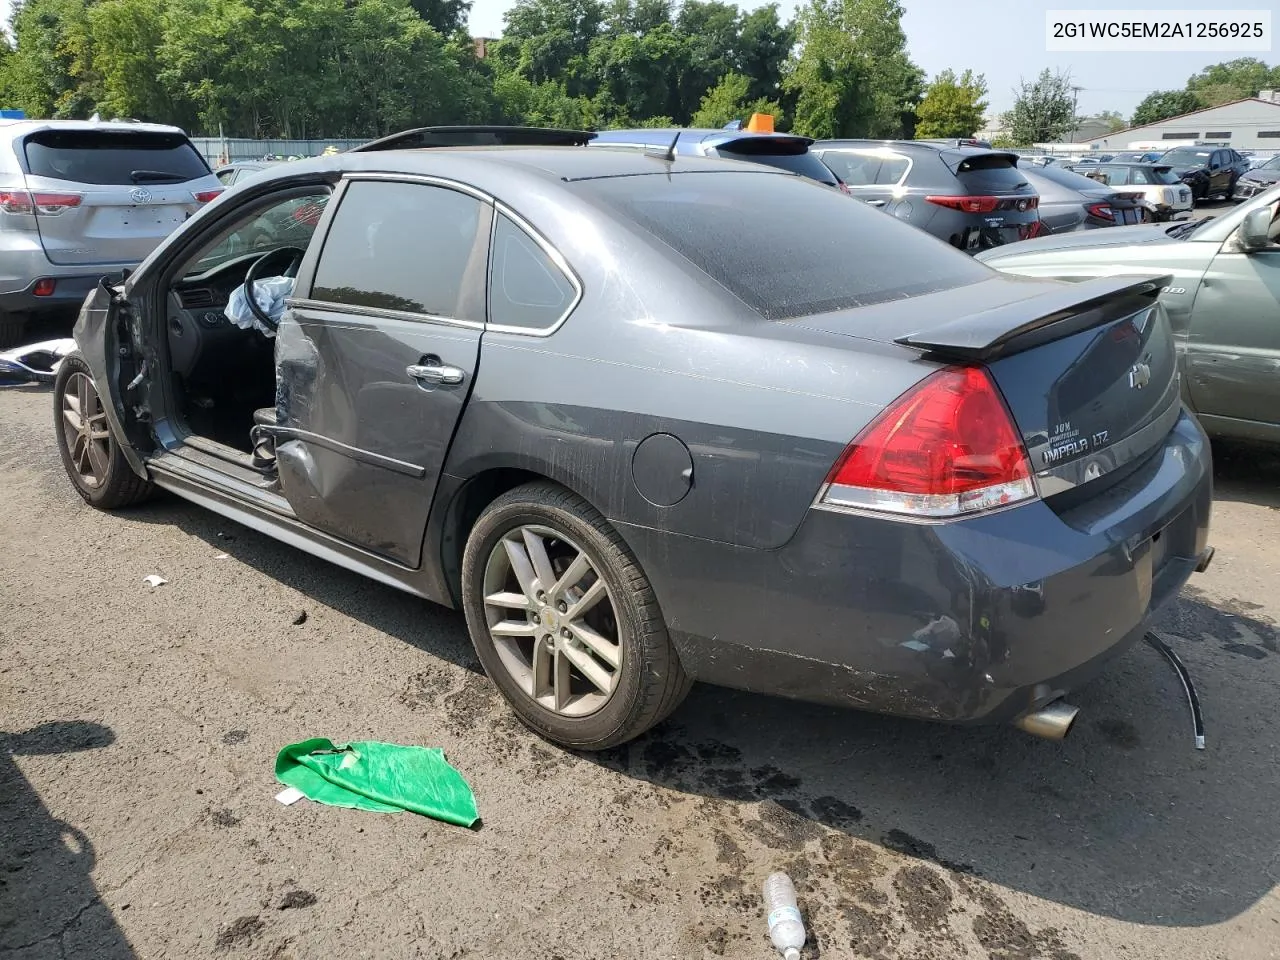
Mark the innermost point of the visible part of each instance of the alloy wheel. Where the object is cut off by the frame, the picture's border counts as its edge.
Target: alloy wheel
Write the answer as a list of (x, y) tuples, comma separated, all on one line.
[(552, 620), (85, 430)]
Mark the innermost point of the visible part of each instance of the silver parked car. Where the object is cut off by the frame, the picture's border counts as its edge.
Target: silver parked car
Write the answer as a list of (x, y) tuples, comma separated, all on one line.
[(83, 199)]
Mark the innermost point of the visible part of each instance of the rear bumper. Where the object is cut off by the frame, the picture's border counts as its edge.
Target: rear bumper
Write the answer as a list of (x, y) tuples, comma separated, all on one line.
[(67, 297), (975, 621)]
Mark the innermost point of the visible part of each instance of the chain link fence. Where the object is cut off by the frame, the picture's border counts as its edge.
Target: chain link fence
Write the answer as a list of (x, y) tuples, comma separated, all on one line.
[(233, 149)]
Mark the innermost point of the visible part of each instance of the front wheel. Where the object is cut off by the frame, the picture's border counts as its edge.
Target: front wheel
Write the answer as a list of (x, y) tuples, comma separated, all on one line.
[(565, 622), (90, 452)]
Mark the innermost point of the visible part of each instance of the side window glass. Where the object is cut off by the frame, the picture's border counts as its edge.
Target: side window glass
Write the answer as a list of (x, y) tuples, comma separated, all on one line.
[(892, 169), (1140, 176), (403, 246), (527, 289), (286, 223), (855, 169), (226, 176)]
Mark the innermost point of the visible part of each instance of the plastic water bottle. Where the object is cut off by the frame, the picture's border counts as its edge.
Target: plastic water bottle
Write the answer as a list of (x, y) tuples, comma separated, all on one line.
[(786, 928)]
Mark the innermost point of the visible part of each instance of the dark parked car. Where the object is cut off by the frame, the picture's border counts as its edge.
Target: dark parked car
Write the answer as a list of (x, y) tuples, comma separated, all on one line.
[(648, 421), (971, 197), (1208, 171), (1148, 156), (1259, 178), (1070, 201), (1220, 280), (782, 150)]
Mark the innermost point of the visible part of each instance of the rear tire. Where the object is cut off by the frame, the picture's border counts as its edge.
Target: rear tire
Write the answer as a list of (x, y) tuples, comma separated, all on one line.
[(13, 328), (90, 452), (584, 694)]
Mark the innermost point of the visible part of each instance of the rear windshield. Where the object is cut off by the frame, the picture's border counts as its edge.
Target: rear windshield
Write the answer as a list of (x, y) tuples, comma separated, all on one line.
[(1186, 158), (100, 157), (805, 164), (1065, 178), (992, 175), (783, 245)]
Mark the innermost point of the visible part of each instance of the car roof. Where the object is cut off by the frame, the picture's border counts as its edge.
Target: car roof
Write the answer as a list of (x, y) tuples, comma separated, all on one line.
[(16, 128), (489, 168), (662, 136), (933, 146), (1133, 163)]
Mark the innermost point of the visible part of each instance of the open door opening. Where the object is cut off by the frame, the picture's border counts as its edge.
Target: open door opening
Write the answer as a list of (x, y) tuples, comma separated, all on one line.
[(221, 344)]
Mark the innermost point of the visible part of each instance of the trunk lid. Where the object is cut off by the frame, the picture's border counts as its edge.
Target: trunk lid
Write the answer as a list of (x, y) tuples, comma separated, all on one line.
[(119, 193), (1088, 369)]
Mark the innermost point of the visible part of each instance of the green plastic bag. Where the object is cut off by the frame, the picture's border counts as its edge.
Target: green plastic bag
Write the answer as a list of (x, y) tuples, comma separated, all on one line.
[(382, 777)]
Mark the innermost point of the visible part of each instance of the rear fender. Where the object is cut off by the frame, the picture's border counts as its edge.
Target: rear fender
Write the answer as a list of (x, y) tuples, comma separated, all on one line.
[(107, 336)]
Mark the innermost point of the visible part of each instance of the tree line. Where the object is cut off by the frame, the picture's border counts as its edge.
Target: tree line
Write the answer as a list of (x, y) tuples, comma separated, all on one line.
[(315, 69), (362, 68), (1211, 87)]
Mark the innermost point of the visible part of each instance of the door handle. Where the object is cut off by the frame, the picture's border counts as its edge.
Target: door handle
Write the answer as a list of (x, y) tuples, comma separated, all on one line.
[(431, 370), (875, 203)]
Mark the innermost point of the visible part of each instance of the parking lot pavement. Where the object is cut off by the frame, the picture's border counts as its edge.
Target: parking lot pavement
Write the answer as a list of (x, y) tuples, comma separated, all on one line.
[(138, 729)]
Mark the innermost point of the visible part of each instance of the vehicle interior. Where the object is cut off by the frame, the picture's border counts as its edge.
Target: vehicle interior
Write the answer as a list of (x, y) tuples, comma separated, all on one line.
[(222, 345)]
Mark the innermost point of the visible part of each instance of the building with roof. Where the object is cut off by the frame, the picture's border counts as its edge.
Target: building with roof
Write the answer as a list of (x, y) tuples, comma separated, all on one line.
[(1249, 124)]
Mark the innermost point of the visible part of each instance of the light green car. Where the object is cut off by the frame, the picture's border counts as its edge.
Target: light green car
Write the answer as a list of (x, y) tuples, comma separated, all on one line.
[(1223, 301)]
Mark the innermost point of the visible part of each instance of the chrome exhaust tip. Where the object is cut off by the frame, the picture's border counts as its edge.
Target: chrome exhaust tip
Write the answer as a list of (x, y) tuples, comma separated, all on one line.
[(1052, 721)]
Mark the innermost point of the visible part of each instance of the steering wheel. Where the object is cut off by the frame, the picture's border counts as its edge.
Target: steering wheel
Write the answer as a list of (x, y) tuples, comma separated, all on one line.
[(292, 258)]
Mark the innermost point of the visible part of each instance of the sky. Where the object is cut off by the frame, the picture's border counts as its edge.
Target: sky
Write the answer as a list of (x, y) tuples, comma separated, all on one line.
[(1004, 41)]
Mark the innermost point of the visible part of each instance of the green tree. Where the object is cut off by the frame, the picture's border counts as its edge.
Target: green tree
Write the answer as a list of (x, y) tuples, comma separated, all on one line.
[(49, 73), (549, 40), (1232, 80), (127, 36), (444, 16), (851, 75), (952, 106), (730, 100), (1043, 110), (1164, 104), (1114, 120), (763, 46)]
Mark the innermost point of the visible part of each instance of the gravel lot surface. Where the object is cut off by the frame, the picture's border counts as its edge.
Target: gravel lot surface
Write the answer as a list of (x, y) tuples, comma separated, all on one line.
[(138, 730)]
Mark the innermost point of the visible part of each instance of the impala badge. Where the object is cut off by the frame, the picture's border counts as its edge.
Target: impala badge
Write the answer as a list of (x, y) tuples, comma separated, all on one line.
[(1139, 375)]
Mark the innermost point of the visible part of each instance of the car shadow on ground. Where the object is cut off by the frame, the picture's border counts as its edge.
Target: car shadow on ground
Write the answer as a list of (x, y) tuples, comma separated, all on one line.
[(1125, 819), (49, 906), (1246, 473)]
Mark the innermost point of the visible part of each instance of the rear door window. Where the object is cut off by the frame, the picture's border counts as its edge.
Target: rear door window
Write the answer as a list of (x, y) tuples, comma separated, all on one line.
[(1120, 176), (855, 169), (527, 288), (103, 157), (408, 247), (892, 170), (783, 246)]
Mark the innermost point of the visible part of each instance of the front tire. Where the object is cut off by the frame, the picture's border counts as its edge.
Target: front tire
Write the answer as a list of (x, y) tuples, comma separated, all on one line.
[(565, 622), (90, 452)]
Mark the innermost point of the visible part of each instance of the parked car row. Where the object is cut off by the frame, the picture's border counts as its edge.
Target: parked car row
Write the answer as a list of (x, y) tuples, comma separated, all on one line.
[(777, 439)]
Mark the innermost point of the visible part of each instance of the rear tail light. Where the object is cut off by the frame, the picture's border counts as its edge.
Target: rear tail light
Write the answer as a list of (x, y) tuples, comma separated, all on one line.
[(44, 287), (1034, 230), (22, 203), (1102, 211), (985, 204), (204, 196), (946, 448)]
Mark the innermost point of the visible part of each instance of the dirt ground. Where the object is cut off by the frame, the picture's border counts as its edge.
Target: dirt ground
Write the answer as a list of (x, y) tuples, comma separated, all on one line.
[(138, 730)]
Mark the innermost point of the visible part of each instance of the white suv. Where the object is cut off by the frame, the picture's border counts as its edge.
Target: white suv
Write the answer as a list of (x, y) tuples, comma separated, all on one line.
[(80, 200), (1163, 193)]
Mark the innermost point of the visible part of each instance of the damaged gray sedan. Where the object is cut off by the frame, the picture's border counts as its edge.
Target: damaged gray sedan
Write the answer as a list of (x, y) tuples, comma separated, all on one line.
[(649, 420)]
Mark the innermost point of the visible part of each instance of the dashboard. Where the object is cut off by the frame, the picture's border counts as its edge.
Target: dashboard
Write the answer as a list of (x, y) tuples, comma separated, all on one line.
[(199, 331)]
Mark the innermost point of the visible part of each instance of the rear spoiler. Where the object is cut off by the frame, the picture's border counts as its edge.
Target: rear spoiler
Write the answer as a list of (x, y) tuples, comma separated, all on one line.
[(1068, 308), (762, 143), (477, 136), (954, 159)]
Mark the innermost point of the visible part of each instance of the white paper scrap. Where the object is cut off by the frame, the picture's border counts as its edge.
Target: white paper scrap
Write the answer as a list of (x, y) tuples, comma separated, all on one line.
[(290, 795)]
